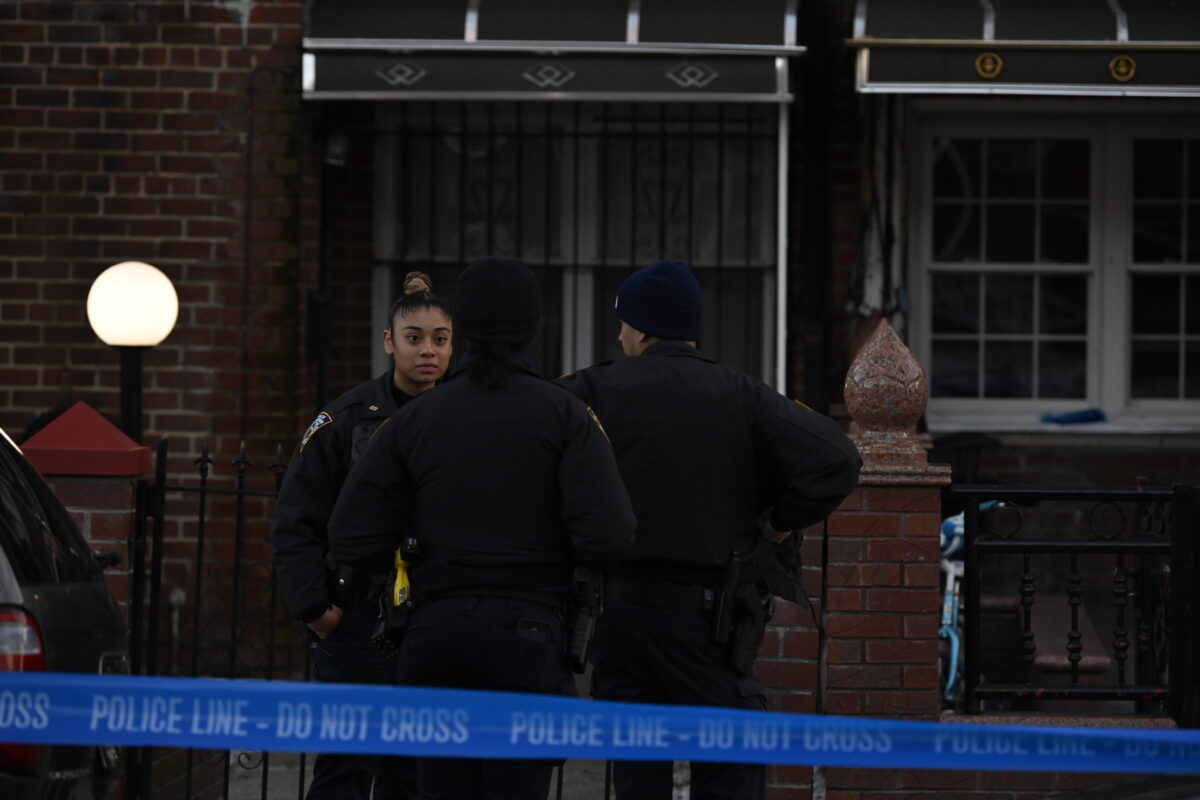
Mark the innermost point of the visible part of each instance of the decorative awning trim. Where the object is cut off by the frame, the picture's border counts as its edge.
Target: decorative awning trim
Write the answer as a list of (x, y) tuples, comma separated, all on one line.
[(376, 49), (1124, 48)]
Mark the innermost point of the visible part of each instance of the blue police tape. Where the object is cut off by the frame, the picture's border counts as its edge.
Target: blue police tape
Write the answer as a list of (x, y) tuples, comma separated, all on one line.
[(217, 714)]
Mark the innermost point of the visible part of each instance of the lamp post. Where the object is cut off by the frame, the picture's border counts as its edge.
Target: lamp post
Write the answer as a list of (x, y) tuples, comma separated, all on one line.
[(132, 306)]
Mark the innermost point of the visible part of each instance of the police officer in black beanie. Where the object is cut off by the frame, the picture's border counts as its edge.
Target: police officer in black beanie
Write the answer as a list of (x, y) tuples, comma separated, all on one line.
[(716, 463), (507, 482)]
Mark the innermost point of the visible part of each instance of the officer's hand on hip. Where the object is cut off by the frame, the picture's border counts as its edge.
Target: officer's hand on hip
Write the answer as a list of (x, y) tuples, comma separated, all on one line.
[(325, 624), (768, 531)]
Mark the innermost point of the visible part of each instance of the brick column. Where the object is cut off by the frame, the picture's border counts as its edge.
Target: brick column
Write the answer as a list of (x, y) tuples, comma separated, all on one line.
[(883, 598), (93, 467)]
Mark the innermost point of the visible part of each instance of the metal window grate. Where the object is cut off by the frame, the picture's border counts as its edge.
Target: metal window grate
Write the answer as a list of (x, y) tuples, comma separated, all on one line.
[(587, 192)]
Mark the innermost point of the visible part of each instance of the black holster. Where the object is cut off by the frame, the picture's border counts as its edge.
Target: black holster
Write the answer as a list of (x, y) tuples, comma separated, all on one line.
[(347, 586), (393, 619), (753, 606), (582, 611), (390, 625)]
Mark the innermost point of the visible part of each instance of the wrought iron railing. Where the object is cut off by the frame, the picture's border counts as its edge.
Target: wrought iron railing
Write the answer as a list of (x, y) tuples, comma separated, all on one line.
[(217, 545), (237, 625), (1120, 559)]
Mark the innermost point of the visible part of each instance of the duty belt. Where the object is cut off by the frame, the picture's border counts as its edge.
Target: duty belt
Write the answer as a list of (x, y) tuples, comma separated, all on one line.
[(551, 599), (658, 594)]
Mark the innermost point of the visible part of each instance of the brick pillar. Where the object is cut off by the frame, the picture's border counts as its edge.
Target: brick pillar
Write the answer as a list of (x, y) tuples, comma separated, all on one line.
[(93, 467), (883, 598)]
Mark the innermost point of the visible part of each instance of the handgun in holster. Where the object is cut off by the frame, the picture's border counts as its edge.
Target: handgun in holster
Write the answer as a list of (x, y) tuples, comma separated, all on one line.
[(582, 611), (723, 609), (741, 614), (395, 602)]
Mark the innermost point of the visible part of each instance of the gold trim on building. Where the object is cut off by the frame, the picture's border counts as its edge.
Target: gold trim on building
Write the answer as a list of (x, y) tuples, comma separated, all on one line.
[(1122, 68), (988, 65)]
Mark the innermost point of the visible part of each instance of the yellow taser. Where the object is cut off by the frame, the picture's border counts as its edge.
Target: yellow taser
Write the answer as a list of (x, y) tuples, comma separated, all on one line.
[(402, 588)]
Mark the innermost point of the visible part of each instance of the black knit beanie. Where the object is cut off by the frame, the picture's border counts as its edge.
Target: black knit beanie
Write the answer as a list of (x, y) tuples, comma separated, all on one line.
[(496, 300), (662, 300)]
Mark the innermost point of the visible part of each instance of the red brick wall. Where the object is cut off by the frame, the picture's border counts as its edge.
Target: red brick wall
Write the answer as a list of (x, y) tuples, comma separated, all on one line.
[(883, 603), (881, 599), (170, 133), (102, 507)]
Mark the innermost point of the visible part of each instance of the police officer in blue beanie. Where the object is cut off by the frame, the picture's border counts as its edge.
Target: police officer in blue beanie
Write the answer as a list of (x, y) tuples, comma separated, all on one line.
[(721, 470), (507, 482)]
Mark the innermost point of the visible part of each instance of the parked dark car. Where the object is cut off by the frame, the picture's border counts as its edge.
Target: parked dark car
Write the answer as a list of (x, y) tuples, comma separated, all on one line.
[(56, 615)]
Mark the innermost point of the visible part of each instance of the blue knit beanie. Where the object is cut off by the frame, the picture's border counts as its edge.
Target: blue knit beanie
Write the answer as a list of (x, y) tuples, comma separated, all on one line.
[(662, 300)]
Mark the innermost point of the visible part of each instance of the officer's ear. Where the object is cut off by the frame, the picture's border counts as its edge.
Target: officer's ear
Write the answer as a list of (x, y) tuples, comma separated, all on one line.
[(387, 341)]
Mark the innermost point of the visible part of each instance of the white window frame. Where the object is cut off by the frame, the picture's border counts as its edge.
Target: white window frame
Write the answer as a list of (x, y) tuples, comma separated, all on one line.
[(1109, 262)]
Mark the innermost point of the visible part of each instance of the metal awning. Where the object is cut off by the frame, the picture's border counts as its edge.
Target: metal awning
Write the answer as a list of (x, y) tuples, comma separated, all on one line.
[(1065, 47), (623, 50)]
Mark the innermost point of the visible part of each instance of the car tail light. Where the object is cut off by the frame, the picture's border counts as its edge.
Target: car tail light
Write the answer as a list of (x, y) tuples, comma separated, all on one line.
[(20, 651), (20, 642)]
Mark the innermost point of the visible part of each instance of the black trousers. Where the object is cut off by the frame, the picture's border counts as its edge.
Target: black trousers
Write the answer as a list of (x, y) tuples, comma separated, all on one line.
[(665, 656), (501, 644), (347, 656)]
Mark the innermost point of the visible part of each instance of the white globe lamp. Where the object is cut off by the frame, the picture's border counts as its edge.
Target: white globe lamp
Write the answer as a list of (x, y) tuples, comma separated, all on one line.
[(132, 306)]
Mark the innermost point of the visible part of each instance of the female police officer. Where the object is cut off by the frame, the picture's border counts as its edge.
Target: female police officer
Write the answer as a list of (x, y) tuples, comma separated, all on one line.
[(507, 482), (418, 340)]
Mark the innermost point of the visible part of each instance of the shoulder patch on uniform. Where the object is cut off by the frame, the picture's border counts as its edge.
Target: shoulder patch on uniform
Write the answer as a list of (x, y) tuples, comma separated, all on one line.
[(323, 419), (802, 405), (596, 421)]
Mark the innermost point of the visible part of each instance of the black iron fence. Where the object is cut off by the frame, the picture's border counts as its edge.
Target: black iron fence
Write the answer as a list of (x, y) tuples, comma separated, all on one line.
[(204, 604), (1084, 598), (1075, 595)]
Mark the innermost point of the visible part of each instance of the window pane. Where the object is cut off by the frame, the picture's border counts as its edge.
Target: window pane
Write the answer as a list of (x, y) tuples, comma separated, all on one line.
[(1062, 370), (1011, 168), (956, 168), (1009, 304), (955, 232), (1010, 233), (1155, 369), (1063, 304), (1064, 234), (1191, 387), (1157, 234), (955, 369), (1066, 168), (1193, 232), (1155, 304), (955, 303), (1158, 168), (1194, 169), (1192, 304), (1008, 370)]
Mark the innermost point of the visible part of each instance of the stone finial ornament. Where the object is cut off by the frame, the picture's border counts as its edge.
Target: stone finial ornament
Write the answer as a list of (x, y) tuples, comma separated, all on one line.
[(886, 392)]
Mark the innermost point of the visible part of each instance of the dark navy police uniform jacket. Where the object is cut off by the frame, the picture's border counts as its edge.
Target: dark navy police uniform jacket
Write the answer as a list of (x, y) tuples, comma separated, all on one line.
[(329, 448), (510, 487), (704, 448)]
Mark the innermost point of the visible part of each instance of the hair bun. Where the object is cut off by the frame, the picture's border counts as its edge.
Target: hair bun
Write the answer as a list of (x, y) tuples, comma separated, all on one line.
[(417, 282)]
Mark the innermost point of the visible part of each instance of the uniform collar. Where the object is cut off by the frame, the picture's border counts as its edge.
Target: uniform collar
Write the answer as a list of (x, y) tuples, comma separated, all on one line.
[(520, 365), (674, 347), (380, 396)]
